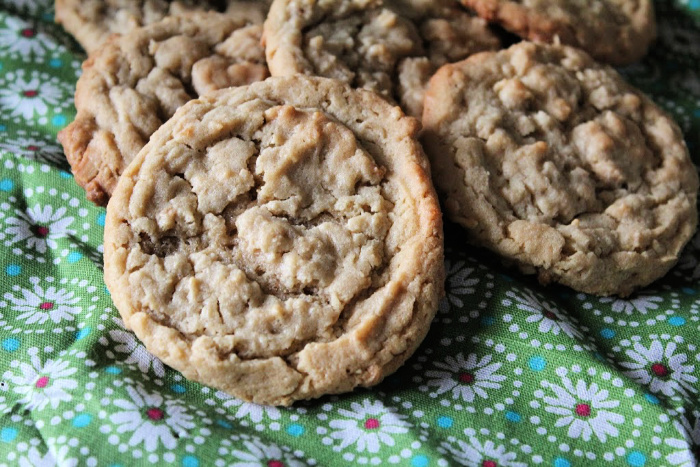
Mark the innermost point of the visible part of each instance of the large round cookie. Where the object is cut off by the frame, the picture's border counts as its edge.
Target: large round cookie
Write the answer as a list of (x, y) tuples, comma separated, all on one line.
[(389, 46), (614, 31), (134, 83), (553, 161), (92, 21), (279, 241)]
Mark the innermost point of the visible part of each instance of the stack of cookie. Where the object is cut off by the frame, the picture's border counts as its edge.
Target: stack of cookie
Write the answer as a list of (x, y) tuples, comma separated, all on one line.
[(289, 224)]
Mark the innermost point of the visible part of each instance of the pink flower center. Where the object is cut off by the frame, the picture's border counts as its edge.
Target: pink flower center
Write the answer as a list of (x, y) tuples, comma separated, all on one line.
[(371, 424), (489, 464), (659, 370), (46, 306), (550, 315), (28, 32), (41, 230), (31, 93), (466, 378), (42, 382), (31, 147), (583, 410), (275, 463), (155, 413)]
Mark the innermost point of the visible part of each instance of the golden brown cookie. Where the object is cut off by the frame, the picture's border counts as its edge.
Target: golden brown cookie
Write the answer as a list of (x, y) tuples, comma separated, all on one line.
[(553, 161), (618, 32), (389, 46), (279, 241), (134, 83), (92, 21)]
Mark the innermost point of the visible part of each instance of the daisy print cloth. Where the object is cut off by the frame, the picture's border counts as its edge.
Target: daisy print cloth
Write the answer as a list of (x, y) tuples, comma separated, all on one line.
[(511, 373)]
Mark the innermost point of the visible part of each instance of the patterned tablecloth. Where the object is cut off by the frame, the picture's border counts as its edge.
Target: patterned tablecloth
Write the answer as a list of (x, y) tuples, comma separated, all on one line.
[(511, 374)]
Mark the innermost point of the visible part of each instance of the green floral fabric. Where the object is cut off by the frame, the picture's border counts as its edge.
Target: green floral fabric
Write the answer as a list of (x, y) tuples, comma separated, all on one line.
[(511, 373)]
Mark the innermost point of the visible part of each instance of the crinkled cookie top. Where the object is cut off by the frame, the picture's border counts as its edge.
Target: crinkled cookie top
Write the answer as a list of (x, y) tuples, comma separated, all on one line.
[(92, 21), (288, 228), (614, 31), (134, 83), (554, 161), (389, 46)]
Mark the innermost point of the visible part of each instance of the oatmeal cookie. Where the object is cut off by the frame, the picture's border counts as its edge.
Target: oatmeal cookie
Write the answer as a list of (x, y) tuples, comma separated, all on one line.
[(618, 32), (553, 161), (389, 46), (134, 83), (92, 21), (279, 241)]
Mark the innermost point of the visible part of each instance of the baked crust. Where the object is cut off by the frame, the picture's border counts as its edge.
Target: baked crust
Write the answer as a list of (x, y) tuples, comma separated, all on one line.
[(618, 32), (554, 161), (134, 83), (391, 47), (279, 241), (91, 22)]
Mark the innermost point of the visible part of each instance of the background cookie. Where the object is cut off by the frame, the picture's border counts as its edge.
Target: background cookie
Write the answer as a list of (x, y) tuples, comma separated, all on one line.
[(92, 21), (614, 31), (555, 162), (391, 47), (286, 228), (134, 83)]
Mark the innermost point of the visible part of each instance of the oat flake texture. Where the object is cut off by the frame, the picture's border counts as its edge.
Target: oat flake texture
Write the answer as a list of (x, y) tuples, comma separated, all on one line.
[(271, 229)]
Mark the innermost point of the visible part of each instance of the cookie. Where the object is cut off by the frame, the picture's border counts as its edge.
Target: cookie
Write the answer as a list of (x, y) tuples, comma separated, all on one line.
[(92, 21), (134, 83), (553, 161), (618, 32), (279, 241), (389, 46)]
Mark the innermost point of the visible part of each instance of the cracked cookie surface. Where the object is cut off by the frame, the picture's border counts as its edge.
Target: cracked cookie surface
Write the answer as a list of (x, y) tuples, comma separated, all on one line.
[(91, 22), (618, 32), (134, 83), (553, 161), (279, 241), (389, 46)]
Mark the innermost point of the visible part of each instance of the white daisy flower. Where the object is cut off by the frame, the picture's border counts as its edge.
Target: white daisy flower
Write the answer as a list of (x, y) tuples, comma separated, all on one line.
[(129, 344), (550, 319), (661, 368), (40, 226), (151, 419), (4, 406), (34, 148), (40, 305), (642, 304), (34, 458), (22, 38), (584, 409), (476, 454), (687, 446), (260, 454), (31, 97), (458, 284), (367, 426), (466, 378), (43, 384), (247, 409)]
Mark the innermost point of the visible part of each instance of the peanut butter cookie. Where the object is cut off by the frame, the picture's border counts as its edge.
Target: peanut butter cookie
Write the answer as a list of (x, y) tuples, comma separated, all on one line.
[(389, 46), (134, 83), (279, 241), (618, 32), (92, 21), (553, 161)]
